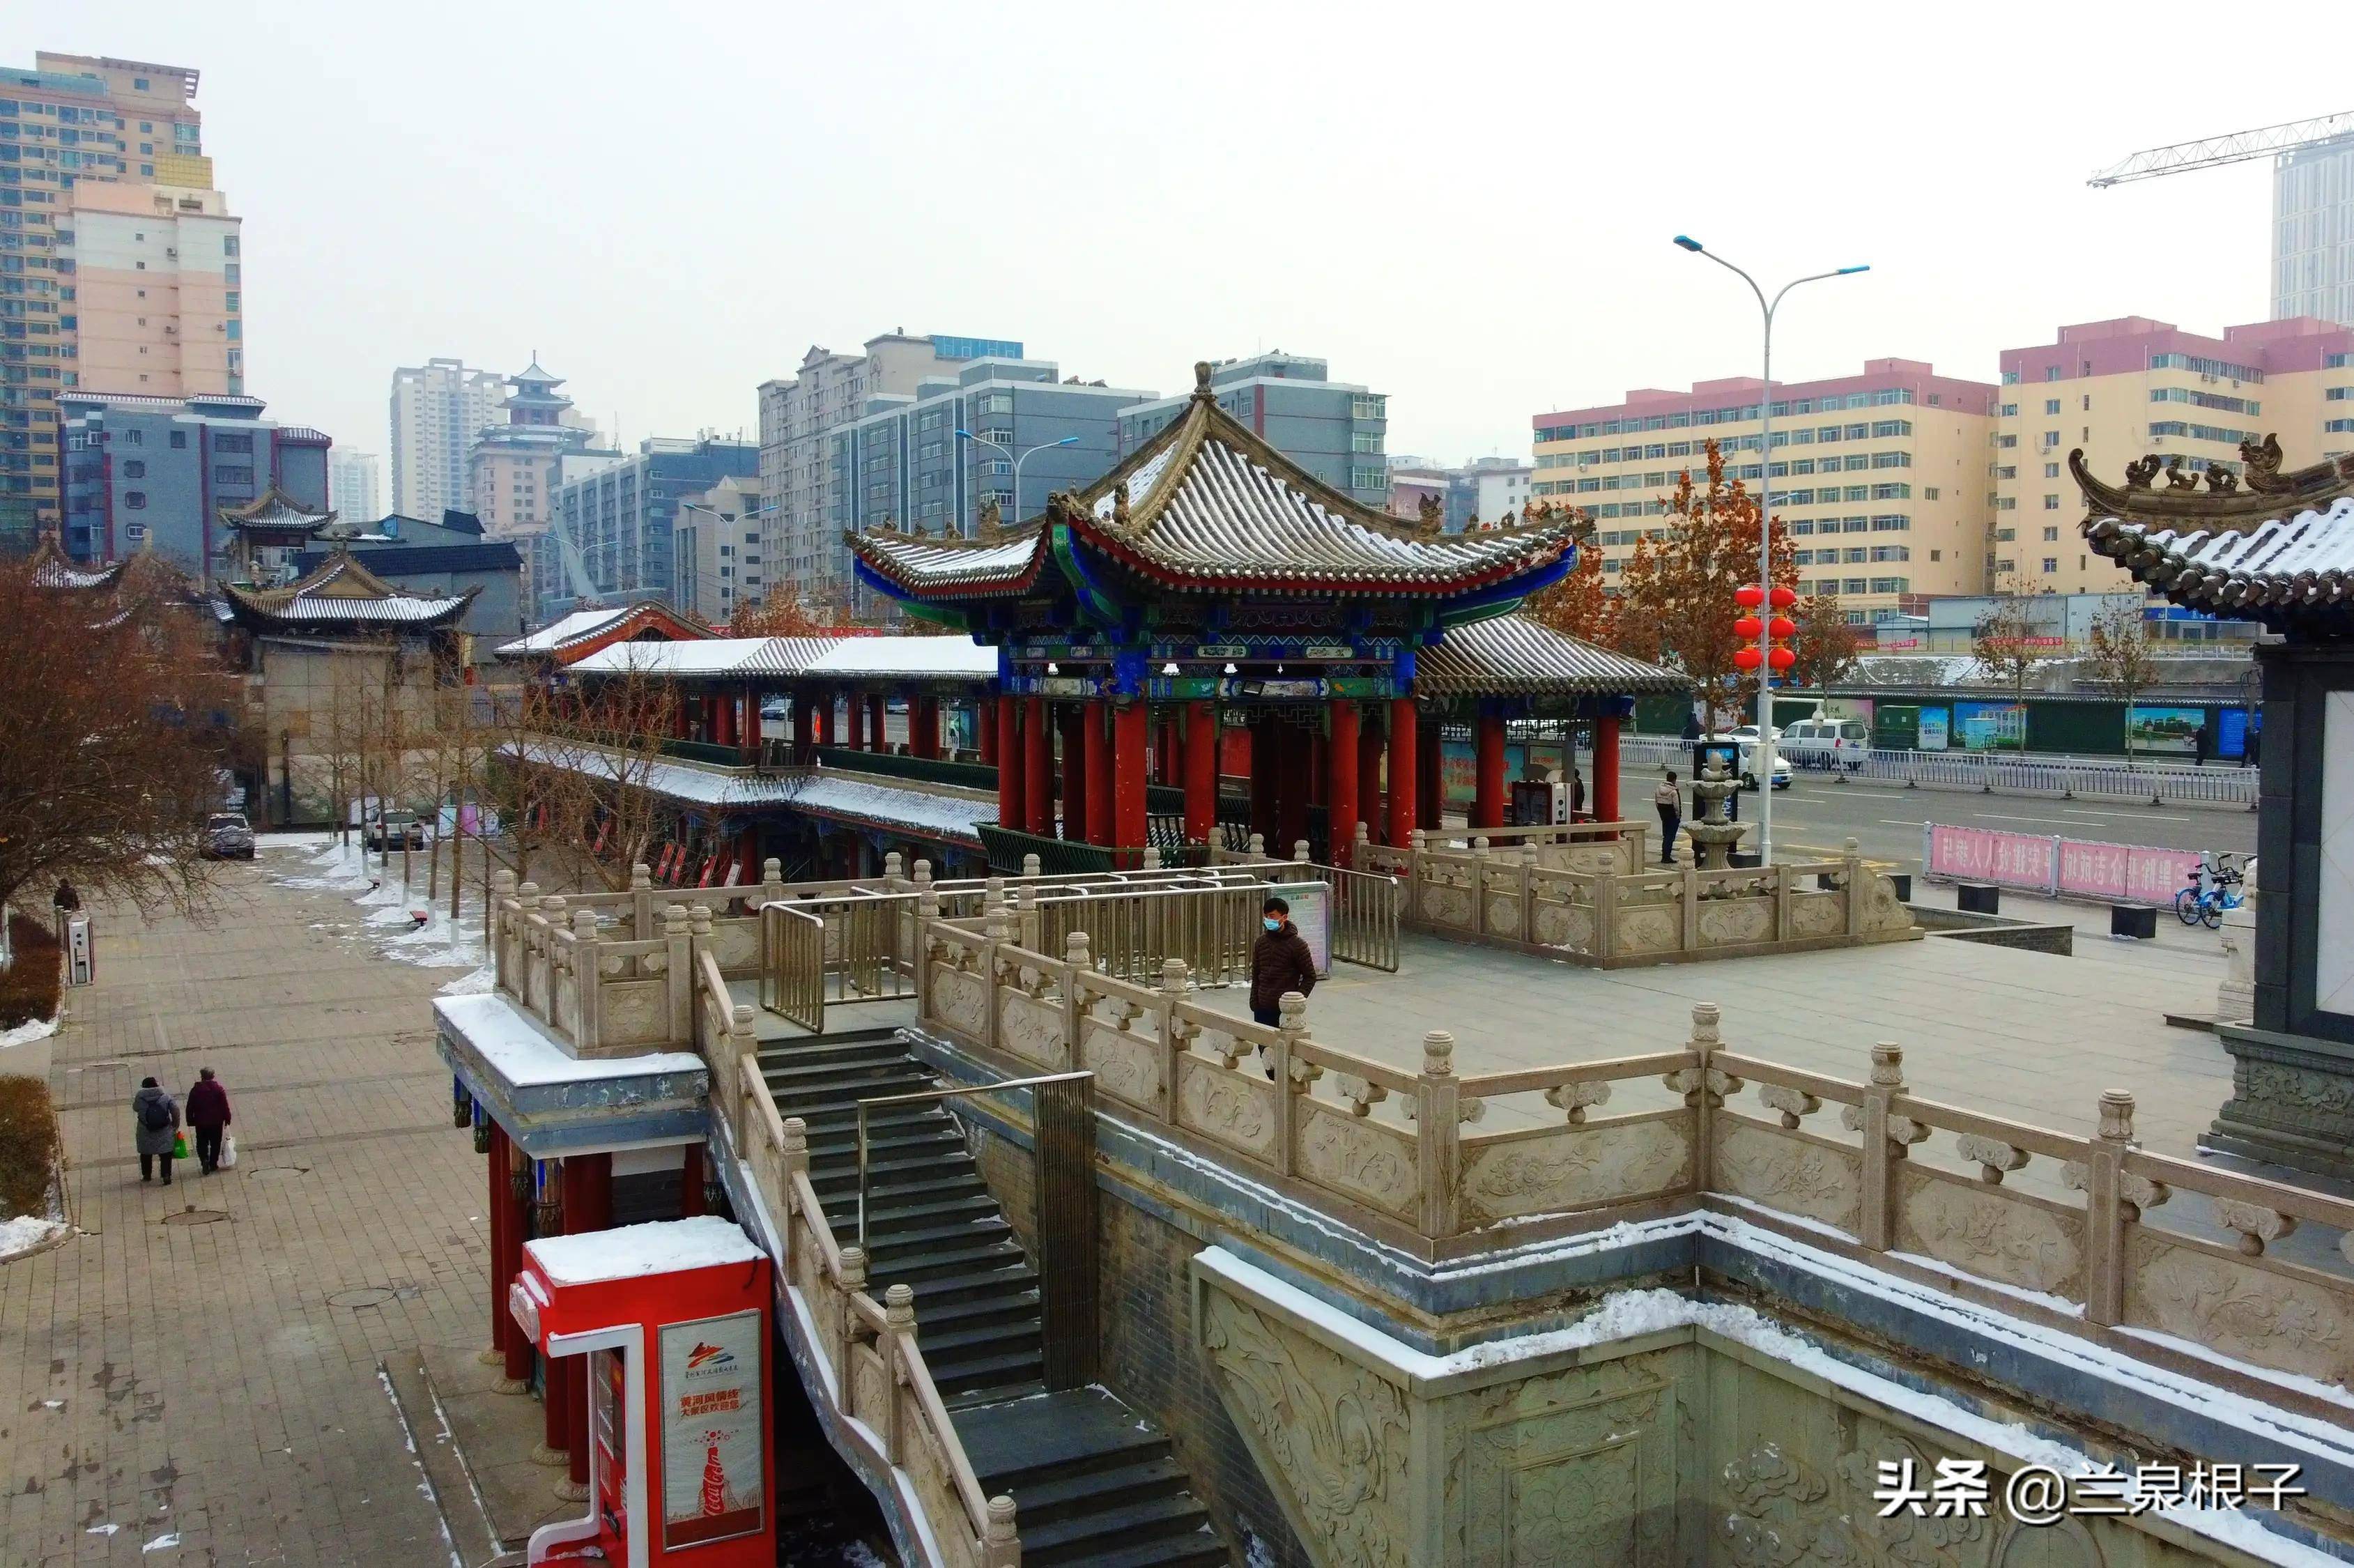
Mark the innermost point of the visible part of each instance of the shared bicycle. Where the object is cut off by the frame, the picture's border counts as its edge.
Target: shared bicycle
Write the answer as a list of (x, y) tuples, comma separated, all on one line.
[(2214, 887)]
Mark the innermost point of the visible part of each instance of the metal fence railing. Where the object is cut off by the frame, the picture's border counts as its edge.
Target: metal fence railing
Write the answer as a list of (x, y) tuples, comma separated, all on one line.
[(793, 965), (821, 953), (1367, 906), (1208, 926), (2000, 773)]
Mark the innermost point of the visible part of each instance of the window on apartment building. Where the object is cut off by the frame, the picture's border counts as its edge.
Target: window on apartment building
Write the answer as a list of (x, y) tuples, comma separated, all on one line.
[(2051, 405), (2051, 535), (134, 468), (1929, 493), (2050, 563), (1936, 555), (136, 500), (2006, 442), (2051, 503), (2051, 373)]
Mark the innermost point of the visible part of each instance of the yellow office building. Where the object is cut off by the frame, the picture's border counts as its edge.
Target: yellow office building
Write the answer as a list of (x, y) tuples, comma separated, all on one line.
[(1879, 477)]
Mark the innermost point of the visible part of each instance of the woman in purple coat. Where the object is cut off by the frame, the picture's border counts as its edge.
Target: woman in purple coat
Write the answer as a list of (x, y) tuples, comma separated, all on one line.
[(208, 1114)]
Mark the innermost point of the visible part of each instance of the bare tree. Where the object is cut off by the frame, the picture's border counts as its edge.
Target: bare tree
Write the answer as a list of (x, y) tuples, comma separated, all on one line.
[(2117, 655), (2008, 640), (116, 719)]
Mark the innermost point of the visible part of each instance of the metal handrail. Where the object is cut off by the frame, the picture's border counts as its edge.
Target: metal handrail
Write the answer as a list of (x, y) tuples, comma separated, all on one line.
[(922, 1095)]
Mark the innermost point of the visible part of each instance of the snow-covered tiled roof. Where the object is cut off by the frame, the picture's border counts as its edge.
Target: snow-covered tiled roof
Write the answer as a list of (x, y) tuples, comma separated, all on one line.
[(2273, 571), (556, 633), (341, 592), (1511, 655), (934, 658), (907, 658)]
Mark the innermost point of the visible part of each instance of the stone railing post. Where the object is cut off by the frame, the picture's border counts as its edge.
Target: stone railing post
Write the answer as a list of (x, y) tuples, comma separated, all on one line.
[(587, 976), (1414, 847), (1886, 1137), (1707, 1040), (1030, 865), (899, 1335), (539, 978), (998, 923), (772, 879), (1851, 876), (1292, 1075), (503, 887), (1300, 852), (1172, 1040), (2105, 1210), (678, 971), (1257, 846), (642, 902), (892, 870), (1438, 1132), (1026, 916), (1528, 932), (927, 909), (1001, 1547), (1078, 963), (853, 1281)]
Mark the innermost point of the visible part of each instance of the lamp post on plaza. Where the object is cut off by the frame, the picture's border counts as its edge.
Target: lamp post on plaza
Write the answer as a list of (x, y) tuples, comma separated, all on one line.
[(1765, 529), (1015, 514), (721, 517)]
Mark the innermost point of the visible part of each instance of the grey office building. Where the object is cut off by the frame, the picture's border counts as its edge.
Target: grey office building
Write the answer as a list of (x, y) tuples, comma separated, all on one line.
[(903, 461), (1334, 429), (620, 517), (155, 472)]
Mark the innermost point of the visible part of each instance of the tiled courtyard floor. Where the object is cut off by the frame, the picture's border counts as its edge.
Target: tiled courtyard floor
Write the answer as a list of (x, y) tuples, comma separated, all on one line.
[(196, 1386)]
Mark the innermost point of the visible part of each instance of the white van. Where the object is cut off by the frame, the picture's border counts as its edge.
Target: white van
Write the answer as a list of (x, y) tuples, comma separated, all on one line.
[(1828, 743)]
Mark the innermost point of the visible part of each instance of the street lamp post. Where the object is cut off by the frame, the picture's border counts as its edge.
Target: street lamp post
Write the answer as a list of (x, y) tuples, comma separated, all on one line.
[(1764, 535), (1018, 461), (721, 517)]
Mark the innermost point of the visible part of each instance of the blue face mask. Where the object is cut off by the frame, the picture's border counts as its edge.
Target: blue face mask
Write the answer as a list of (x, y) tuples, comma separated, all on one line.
[(1274, 922)]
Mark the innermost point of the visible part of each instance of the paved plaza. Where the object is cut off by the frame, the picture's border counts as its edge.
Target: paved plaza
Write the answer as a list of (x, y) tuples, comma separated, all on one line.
[(207, 1392)]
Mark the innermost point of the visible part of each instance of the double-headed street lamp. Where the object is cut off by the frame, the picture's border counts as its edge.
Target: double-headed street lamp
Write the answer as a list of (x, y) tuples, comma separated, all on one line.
[(984, 442), (1765, 531), (720, 517)]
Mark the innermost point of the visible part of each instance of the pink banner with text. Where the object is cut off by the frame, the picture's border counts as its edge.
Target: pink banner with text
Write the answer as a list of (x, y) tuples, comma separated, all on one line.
[(2120, 873)]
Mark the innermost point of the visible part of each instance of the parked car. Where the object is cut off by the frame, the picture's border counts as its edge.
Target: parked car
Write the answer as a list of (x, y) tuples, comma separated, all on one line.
[(228, 836), (400, 828), (1828, 743), (1745, 738)]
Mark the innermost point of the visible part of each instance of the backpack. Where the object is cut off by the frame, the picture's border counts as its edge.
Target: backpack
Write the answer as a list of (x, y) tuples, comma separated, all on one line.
[(157, 1116)]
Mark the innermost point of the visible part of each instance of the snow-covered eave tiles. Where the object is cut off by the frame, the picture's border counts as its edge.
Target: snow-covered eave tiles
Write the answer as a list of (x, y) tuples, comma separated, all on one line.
[(825, 792), (2275, 568)]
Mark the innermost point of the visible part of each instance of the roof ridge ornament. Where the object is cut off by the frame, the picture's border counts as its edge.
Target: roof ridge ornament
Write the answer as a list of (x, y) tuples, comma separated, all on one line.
[(2228, 503), (2264, 462), (1202, 368), (988, 527), (1430, 517), (1119, 504)]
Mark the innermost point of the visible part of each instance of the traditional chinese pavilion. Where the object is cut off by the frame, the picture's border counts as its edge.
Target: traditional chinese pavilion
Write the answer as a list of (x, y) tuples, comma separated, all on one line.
[(1208, 571), (266, 534)]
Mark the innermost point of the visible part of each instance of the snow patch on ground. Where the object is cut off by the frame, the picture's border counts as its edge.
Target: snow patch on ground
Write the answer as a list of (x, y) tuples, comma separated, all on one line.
[(26, 1232), (162, 1543), (388, 924), (26, 1034)]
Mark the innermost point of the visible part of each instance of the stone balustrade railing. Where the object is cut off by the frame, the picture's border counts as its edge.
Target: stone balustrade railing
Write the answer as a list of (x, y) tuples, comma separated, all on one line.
[(1606, 912), (868, 1363)]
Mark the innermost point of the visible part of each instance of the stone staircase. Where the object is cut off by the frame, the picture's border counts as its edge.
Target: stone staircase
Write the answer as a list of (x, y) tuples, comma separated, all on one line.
[(1093, 1482)]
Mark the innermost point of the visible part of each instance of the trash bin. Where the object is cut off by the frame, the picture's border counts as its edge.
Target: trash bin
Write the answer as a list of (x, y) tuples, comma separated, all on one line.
[(1744, 860), (1979, 898), (2133, 920)]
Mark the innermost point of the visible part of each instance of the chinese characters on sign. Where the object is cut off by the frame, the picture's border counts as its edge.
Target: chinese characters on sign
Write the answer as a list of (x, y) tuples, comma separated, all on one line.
[(713, 1485), (2038, 1494), (2121, 873)]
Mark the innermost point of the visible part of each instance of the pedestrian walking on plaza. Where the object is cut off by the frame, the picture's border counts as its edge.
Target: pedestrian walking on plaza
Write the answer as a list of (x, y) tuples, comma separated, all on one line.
[(2200, 747), (208, 1114), (1576, 794), (1671, 803), (156, 1123), (1280, 961)]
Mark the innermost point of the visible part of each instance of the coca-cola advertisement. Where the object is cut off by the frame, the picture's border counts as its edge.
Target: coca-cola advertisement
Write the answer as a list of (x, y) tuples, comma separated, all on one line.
[(712, 1429)]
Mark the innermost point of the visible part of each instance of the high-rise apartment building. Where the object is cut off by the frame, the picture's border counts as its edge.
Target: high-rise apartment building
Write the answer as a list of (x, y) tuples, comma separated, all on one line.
[(718, 550), (621, 516), (2132, 386), (119, 263), (796, 413), (439, 410), (2313, 231), (1881, 476), (156, 474), (1334, 429), (901, 460), (354, 485)]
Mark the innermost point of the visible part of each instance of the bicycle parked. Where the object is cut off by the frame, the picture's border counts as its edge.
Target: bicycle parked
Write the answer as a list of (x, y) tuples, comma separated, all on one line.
[(2214, 887)]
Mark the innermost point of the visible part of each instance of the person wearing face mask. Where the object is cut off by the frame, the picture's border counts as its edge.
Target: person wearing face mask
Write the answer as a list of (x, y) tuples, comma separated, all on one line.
[(1280, 961)]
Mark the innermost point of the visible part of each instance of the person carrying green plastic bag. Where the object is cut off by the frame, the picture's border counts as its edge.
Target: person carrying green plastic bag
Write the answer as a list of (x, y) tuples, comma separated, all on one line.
[(155, 1130)]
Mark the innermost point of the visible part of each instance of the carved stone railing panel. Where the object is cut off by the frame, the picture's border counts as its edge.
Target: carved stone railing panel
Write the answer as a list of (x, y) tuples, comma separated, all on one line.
[(1509, 1175), (1034, 1030), (959, 999), (2272, 1315), (634, 1013), (1995, 1234), (736, 945), (1447, 904), (1882, 910), (1646, 929), (1796, 1172), (1735, 922), (1235, 1107), (1814, 914), (1364, 1161), (1127, 1062)]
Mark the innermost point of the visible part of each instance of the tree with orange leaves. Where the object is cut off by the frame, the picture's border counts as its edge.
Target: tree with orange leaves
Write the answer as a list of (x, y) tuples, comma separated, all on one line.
[(781, 614), (1675, 600), (1575, 606)]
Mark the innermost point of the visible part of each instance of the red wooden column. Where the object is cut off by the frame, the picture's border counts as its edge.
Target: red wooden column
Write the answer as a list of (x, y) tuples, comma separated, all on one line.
[(1128, 754), (750, 740), (1201, 772), (1075, 772), (507, 1248), (1263, 763), (723, 719), (984, 721), (690, 1182), (1369, 777), (1097, 727), (1605, 794), (1404, 752), (876, 740), (504, 1330), (1341, 783), (1011, 801), (804, 727), (588, 1206), (1487, 777), (856, 739), (923, 726), (747, 851), (1430, 776), (1037, 769)]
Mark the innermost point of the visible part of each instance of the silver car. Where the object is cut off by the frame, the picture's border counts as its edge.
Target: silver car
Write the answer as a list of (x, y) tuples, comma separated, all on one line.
[(228, 836)]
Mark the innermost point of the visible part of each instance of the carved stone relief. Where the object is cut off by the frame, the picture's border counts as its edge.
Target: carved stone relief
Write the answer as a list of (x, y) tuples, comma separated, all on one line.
[(1818, 914), (1332, 1435), (1567, 926), (1444, 906), (1730, 922), (1882, 910), (1819, 1182), (631, 1011), (1986, 1232), (1364, 1159), (1505, 913), (1227, 1104), (1031, 1030), (2240, 1310), (1127, 1065), (960, 999), (1656, 929), (1569, 1469), (1571, 1166)]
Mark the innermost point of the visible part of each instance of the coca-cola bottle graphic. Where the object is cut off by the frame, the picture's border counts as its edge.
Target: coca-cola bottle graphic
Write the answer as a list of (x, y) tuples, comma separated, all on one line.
[(715, 1479)]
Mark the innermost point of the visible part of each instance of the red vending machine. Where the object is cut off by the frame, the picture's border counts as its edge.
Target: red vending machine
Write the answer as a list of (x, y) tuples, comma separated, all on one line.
[(673, 1317)]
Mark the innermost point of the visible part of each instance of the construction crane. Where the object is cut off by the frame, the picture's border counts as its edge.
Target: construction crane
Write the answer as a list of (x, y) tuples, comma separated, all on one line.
[(2236, 148)]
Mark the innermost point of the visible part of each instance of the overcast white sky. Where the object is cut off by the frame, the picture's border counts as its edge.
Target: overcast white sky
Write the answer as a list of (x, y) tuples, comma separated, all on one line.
[(1466, 207)]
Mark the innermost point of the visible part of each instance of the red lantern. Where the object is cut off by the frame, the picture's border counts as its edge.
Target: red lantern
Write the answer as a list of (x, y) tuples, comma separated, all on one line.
[(1782, 627), (1747, 658), (1749, 596), (1783, 599), (1748, 628), (1781, 659)]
